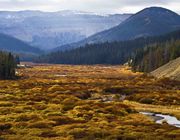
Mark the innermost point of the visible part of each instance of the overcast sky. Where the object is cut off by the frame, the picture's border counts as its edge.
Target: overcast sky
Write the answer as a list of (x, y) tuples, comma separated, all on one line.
[(98, 6)]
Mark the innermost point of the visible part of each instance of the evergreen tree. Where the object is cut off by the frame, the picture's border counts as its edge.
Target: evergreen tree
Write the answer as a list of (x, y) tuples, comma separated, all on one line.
[(153, 56), (7, 65)]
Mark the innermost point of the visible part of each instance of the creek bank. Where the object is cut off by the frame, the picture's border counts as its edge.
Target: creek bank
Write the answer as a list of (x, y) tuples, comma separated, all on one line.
[(161, 118)]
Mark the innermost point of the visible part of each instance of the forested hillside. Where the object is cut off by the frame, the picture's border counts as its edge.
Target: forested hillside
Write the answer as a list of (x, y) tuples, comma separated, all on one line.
[(105, 53), (153, 56), (7, 65)]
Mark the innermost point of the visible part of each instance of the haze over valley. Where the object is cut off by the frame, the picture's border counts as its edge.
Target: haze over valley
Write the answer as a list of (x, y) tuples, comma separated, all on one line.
[(47, 30)]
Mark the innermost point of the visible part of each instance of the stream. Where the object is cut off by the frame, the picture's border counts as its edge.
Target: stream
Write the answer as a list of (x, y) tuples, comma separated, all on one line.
[(160, 118)]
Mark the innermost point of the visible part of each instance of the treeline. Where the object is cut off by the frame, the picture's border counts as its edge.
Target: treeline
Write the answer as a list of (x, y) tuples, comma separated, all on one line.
[(153, 56), (104, 53), (8, 64)]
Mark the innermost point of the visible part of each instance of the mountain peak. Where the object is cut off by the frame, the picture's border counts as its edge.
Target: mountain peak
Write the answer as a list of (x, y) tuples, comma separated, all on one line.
[(151, 21), (157, 16), (156, 10)]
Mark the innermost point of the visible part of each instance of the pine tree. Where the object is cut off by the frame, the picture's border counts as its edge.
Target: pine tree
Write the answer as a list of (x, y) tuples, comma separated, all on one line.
[(7, 65)]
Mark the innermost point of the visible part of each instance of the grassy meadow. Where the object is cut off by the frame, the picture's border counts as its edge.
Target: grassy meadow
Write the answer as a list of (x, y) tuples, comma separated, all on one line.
[(64, 102)]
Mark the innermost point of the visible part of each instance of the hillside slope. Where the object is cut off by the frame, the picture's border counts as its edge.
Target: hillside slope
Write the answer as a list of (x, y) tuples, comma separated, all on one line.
[(148, 22), (170, 70), (8, 43), (151, 21)]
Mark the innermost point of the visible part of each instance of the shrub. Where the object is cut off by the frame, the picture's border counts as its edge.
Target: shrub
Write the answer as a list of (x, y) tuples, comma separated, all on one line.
[(54, 114), (48, 133), (84, 95), (61, 120), (69, 103), (5, 126), (21, 124), (40, 106), (78, 133), (41, 124), (120, 90), (54, 88), (6, 104), (146, 100), (2, 138), (26, 117)]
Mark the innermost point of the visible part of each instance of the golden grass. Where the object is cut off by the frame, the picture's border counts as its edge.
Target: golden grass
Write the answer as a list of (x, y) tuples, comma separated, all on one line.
[(84, 102)]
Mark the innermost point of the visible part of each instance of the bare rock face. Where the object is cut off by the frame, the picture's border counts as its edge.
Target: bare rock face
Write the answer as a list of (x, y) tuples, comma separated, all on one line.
[(170, 70)]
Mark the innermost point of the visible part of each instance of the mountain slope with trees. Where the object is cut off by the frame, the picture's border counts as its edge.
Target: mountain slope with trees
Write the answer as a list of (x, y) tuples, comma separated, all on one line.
[(151, 21), (154, 56), (105, 53)]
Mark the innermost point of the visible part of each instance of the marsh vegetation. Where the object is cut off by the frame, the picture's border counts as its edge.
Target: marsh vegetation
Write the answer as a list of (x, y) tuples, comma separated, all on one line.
[(86, 102)]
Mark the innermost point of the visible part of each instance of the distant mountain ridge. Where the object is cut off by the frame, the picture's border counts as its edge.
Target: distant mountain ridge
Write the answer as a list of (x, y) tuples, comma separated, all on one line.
[(151, 21), (11, 44), (48, 30)]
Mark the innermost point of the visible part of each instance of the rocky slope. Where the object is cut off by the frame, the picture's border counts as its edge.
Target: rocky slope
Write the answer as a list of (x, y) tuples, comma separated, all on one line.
[(170, 70)]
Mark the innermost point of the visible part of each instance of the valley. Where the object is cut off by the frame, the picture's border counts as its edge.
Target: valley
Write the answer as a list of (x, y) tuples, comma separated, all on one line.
[(86, 102), (74, 75)]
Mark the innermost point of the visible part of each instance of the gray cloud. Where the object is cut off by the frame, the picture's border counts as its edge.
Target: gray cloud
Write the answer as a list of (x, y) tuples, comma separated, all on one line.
[(99, 6)]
